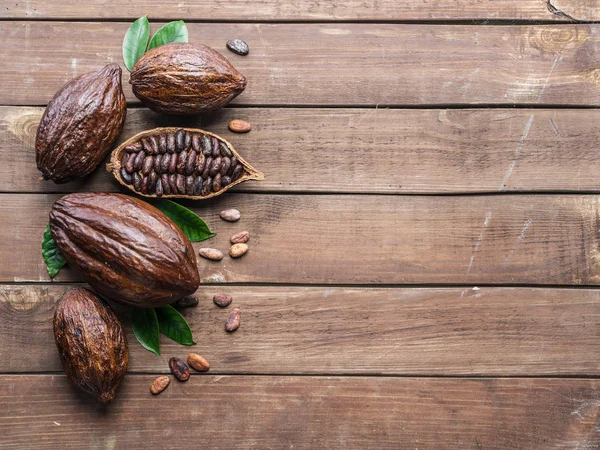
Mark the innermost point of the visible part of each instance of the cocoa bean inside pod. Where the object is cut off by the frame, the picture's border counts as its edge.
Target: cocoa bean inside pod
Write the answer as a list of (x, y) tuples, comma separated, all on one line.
[(198, 164)]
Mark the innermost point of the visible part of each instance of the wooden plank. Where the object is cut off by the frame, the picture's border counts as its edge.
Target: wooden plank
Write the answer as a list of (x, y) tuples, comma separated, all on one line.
[(366, 239), (364, 151), (330, 64), (301, 330), (38, 412), (279, 10)]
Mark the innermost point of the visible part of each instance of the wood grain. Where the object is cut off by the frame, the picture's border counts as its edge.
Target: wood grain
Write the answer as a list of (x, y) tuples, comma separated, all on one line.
[(302, 330), (279, 10), (333, 64), (38, 412), (363, 151), (366, 239)]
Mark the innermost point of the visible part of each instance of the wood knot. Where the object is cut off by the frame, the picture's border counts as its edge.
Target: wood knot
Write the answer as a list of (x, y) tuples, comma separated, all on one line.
[(558, 39), (595, 76)]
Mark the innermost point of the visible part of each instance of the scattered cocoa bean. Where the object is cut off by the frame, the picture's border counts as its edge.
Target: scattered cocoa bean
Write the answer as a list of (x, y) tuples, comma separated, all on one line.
[(198, 362), (211, 253), (240, 238), (239, 126), (222, 300), (179, 369), (187, 302), (233, 321), (238, 250), (230, 215), (160, 384), (238, 46)]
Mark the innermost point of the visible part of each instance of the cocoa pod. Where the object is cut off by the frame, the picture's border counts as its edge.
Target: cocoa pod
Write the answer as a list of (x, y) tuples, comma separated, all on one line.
[(187, 302), (238, 250), (230, 215), (233, 321), (180, 78), (211, 253), (239, 126), (179, 369), (80, 124), (240, 238), (91, 343), (160, 384), (222, 300), (211, 162), (198, 363), (126, 249)]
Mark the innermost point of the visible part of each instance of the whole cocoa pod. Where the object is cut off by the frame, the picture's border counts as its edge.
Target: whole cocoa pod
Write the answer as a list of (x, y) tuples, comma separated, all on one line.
[(180, 78), (126, 249), (91, 343), (80, 125)]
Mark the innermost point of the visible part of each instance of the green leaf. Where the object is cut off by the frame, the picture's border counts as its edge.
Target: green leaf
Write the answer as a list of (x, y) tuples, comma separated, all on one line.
[(135, 41), (190, 223), (145, 329), (171, 32), (52, 255), (173, 325)]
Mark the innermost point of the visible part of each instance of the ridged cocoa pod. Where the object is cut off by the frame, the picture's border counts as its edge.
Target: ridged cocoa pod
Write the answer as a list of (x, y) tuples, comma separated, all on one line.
[(91, 343), (126, 249), (183, 78), (191, 173), (80, 125)]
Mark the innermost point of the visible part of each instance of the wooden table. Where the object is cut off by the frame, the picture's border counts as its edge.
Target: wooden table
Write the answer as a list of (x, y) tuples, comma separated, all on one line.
[(425, 248)]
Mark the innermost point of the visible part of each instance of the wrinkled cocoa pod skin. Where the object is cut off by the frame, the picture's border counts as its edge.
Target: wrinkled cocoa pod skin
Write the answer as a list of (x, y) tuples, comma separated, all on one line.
[(91, 343), (180, 78), (80, 125), (126, 249)]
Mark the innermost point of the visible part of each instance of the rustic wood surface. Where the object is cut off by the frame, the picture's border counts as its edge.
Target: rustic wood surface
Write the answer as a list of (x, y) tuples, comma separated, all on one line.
[(333, 64), (325, 150), (325, 330), (362, 310)]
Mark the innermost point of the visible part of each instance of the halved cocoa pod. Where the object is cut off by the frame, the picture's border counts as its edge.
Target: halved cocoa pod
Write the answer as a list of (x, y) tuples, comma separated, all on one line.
[(202, 165)]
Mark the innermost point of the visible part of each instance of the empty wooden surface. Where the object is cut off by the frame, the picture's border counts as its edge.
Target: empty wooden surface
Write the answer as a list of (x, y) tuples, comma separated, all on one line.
[(363, 150), (330, 10), (346, 331), (337, 64)]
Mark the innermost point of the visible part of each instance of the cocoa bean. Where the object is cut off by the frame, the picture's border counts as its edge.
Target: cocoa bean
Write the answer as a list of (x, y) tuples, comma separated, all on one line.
[(234, 163), (152, 180), (211, 253), (196, 143), (190, 164), (179, 141), (179, 369), (181, 183), (171, 143), (145, 183), (162, 144), (206, 146), (173, 163), (230, 215), (216, 185), (146, 146), (206, 186), (215, 147), (239, 126), (188, 141), (216, 166), (236, 172), (225, 180), (207, 167), (189, 185), (173, 183), (134, 148), (222, 300), (153, 144), (139, 161), (233, 321), (130, 162), (198, 362), (225, 151), (157, 160), (200, 163), (187, 302), (182, 161), (126, 176), (164, 180), (238, 250), (197, 185), (225, 165), (148, 164), (137, 181), (240, 238), (238, 46), (124, 159), (159, 189), (160, 384), (165, 162)]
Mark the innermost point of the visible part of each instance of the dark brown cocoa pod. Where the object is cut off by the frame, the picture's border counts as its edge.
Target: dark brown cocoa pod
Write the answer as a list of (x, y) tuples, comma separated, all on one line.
[(181, 78), (179, 369), (127, 178), (137, 181), (198, 186), (148, 164), (186, 162), (206, 146), (216, 166), (152, 180), (144, 189), (182, 161), (206, 186), (162, 144), (225, 165), (190, 164), (80, 124), (179, 140), (180, 183), (189, 185), (159, 189), (124, 248), (91, 343), (134, 148), (164, 179), (171, 143)]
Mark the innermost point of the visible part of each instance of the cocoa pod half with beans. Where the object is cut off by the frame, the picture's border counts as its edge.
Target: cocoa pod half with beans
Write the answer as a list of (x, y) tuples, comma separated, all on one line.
[(80, 125), (126, 249), (91, 343), (180, 78), (185, 172)]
